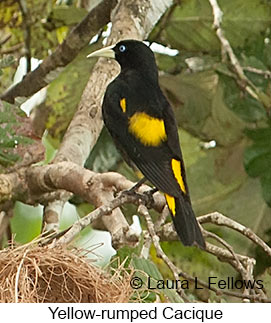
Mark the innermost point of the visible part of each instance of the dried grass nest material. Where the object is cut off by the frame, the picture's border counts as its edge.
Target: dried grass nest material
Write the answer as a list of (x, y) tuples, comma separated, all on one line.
[(35, 274)]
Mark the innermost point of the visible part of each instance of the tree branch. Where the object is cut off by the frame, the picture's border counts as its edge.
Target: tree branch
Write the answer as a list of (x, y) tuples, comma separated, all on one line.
[(77, 39), (130, 19), (242, 264), (11, 49), (103, 210), (236, 262), (222, 220), (245, 83), (255, 298), (265, 73), (94, 188), (33, 185), (159, 251), (27, 33)]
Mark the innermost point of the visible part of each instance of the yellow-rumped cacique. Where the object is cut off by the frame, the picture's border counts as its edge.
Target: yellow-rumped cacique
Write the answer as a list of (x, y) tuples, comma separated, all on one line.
[(143, 126)]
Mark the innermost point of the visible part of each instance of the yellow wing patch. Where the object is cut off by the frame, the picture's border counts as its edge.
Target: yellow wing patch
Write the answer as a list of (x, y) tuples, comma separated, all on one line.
[(149, 130), (123, 105), (177, 171), (171, 203)]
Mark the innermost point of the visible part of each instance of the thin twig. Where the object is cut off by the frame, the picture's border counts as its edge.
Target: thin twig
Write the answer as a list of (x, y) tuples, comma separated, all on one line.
[(220, 219), (142, 209), (121, 199), (246, 273), (258, 71), (145, 250), (218, 17), (167, 233), (64, 53), (162, 219), (226, 48), (239, 266), (11, 49), (220, 292), (5, 39), (27, 33)]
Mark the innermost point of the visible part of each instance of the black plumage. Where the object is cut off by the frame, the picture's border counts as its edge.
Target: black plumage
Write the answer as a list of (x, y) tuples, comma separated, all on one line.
[(142, 123)]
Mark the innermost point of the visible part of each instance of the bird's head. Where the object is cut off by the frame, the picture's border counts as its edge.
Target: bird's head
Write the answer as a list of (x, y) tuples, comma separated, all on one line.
[(131, 54)]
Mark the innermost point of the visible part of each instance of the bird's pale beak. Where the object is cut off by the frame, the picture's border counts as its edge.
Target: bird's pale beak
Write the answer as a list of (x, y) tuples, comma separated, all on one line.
[(103, 52)]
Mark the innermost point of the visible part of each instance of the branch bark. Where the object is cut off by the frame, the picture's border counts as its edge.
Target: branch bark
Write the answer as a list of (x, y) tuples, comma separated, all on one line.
[(27, 33), (242, 79), (159, 251), (33, 185), (130, 19), (29, 185), (77, 39), (95, 187), (220, 219)]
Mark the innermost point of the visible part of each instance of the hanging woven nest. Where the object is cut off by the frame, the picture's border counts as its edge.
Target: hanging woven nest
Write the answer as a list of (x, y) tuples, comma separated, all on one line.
[(36, 274)]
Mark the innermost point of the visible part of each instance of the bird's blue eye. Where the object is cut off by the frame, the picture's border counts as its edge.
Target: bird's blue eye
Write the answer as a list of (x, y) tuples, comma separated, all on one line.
[(122, 48)]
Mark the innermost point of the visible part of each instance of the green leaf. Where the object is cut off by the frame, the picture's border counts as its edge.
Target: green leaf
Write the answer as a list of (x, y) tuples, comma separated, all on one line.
[(200, 108), (266, 186), (50, 150), (147, 266), (151, 271), (261, 135), (218, 181), (65, 16), (266, 278), (6, 62), (64, 94), (257, 159), (10, 134), (190, 26), (181, 90), (104, 156), (26, 222), (242, 104)]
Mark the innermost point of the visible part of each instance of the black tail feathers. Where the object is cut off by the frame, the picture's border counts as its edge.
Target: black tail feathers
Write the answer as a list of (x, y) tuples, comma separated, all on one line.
[(186, 224)]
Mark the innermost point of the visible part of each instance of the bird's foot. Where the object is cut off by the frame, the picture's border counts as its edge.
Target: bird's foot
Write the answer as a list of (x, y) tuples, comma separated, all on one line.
[(133, 189), (149, 200), (146, 197)]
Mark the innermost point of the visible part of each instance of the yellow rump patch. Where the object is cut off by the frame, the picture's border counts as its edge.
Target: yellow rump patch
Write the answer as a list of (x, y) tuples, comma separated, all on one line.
[(123, 105), (149, 130), (171, 203), (176, 168)]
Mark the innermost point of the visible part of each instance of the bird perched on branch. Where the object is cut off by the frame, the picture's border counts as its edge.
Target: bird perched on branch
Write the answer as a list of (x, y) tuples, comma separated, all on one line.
[(142, 124)]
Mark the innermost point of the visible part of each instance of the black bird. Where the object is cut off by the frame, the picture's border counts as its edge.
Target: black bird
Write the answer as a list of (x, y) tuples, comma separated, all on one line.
[(142, 124)]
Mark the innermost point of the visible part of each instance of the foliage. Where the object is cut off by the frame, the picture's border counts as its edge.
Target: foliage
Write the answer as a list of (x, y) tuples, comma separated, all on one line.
[(11, 135), (211, 104), (258, 159), (63, 95), (6, 62)]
